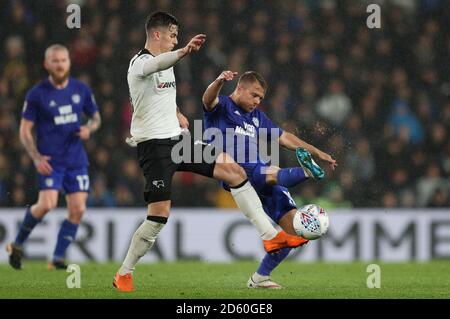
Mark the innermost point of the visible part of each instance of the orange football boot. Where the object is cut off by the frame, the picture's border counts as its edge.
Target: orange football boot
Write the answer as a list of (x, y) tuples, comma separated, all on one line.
[(283, 240), (123, 283)]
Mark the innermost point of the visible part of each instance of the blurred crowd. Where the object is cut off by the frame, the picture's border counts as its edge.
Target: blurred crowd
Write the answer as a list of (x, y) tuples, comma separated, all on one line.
[(378, 100)]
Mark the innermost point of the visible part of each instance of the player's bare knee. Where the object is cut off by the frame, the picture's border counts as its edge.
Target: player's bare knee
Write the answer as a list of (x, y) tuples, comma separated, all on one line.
[(239, 172), (272, 175), (159, 213), (271, 179), (76, 213), (161, 209), (77, 210), (44, 206), (235, 174)]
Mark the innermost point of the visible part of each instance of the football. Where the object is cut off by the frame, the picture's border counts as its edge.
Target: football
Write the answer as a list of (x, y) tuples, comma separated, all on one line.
[(311, 222)]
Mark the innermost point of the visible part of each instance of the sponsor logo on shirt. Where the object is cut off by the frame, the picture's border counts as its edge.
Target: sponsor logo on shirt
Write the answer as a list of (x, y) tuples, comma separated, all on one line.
[(66, 115), (166, 85), (248, 130)]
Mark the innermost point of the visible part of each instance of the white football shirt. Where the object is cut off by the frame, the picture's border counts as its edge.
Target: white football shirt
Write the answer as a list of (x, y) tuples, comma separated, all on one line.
[(154, 101)]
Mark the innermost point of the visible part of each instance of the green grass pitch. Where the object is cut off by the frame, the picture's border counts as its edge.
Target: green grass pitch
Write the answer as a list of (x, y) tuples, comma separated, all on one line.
[(190, 280)]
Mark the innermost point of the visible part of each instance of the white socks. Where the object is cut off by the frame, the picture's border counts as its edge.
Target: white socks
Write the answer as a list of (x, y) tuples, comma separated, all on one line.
[(247, 201), (250, 204), (258, 278), (143, 239)]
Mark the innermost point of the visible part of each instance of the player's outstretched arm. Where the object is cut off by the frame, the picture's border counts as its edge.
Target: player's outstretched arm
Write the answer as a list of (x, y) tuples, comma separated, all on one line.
[(292, 142), (27, 140), (166, 60), (92, 125), (211, 96)]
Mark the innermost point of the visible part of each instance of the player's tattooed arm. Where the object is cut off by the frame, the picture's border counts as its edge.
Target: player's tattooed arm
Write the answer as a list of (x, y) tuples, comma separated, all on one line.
[(27, 140), (292, 142), (211, 96), (92, 125), (94, 122)]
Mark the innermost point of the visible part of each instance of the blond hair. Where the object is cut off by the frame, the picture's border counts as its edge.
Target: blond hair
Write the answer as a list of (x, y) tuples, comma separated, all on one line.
[(55, 47)]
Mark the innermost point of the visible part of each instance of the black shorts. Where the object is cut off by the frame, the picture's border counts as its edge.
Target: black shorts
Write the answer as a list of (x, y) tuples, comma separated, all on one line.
[(158, 165)]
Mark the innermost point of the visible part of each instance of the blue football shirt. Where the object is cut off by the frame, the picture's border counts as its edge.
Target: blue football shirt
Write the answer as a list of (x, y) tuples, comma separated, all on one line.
[(57, 115), (241, 131)]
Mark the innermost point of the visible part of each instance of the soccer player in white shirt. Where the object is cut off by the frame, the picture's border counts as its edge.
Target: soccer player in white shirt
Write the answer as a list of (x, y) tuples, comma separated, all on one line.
[(155, 128)]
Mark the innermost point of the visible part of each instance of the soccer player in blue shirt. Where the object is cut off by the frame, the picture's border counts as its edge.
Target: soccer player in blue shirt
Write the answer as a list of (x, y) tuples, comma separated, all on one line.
[(55, 107), (237, 118)]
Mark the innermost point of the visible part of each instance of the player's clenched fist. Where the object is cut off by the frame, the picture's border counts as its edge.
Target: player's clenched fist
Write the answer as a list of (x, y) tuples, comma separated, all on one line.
[(227, 75)]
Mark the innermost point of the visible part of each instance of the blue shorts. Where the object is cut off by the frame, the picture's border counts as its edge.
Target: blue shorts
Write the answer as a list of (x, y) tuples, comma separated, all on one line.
[(276, 199), (71, 180)]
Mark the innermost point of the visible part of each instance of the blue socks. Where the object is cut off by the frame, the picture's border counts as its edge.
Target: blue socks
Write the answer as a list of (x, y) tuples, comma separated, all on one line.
[(271, 261), (66, 236), (289, 177), (28, 223)]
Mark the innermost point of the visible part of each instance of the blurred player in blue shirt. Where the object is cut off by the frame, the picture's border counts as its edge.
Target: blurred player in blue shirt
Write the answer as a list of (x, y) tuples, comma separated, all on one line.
[(237, 127), (55, 107)]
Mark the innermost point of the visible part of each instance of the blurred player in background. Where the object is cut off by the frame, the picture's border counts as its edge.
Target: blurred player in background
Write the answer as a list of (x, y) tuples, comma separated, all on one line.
[(238, 114), (55, 107), (155, 130)]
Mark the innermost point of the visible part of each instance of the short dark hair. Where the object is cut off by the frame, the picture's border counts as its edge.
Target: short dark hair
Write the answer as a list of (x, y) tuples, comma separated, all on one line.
[(160, 19), (252, 77)]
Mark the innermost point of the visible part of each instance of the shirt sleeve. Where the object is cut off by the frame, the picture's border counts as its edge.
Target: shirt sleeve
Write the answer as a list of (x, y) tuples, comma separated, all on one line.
[(159, 63), (218, 108), (146, 64), (90, 105), (270, 126), (30, 106), (139, 63)]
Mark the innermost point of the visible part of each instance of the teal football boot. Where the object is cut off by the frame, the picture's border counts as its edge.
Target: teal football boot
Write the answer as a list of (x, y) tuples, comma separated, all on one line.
[(307, 163)]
